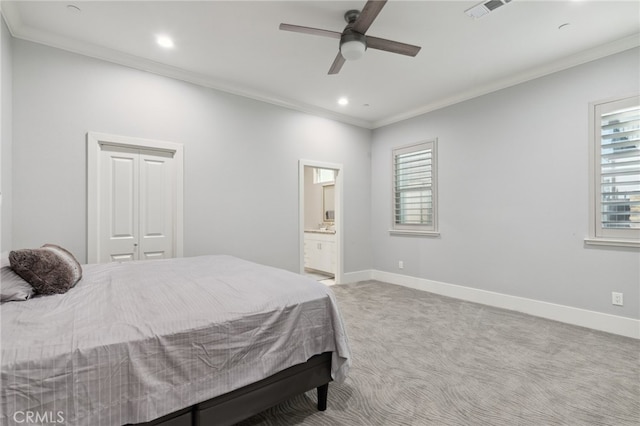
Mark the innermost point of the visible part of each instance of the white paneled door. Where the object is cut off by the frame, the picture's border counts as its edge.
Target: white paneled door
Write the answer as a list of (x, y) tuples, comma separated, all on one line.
[(137, 199), (119, 195), (136, 203), (156, 204)]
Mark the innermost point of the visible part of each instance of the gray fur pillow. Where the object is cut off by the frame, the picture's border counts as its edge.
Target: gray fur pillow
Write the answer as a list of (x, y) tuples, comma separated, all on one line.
[(49, 269)]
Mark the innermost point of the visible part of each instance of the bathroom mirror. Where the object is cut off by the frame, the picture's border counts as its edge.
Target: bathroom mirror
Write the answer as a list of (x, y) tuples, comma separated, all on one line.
[(328, 203)]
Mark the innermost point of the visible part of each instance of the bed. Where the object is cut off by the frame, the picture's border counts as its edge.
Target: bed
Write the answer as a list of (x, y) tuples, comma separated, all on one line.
[(189, 341)]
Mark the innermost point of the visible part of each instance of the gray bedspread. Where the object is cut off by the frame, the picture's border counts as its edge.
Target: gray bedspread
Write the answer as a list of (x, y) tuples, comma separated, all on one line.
[(134, 341)]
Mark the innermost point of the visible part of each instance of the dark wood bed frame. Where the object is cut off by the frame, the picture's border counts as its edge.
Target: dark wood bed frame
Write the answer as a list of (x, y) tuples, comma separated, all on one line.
[(252, 399)]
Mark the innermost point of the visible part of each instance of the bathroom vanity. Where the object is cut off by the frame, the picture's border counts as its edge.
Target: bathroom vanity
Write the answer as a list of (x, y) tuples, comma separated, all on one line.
[(320, 250)]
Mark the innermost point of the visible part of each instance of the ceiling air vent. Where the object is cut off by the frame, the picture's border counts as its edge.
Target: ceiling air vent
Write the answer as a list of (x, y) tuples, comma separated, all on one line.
[(482, 9)]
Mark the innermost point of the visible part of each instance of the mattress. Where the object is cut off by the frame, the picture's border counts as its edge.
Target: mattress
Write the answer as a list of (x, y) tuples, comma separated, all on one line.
[(134, 341)]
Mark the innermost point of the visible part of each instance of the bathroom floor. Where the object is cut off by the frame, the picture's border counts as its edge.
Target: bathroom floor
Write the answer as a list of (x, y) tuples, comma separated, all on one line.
[(318, 276)]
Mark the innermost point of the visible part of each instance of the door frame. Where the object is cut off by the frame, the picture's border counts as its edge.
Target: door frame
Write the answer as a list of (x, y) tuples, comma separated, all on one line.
[(94, 142), (338, 212)]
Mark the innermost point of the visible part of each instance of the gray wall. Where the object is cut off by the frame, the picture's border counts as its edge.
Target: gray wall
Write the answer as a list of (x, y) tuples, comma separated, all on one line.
[(241, 157), (512, 169), (6, 64), (513, 192)]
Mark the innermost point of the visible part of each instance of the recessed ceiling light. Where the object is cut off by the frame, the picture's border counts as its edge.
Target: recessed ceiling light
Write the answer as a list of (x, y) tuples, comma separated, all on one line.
[(343, 101), (565, 25), (164, 41), (73, 8)]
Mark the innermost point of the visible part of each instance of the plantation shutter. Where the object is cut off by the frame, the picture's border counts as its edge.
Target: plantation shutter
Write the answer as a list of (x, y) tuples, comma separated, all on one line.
[(414, 187), (620, 166)]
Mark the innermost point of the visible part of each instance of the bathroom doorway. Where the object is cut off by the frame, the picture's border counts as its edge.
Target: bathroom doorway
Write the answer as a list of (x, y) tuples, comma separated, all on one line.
[(321, 221)]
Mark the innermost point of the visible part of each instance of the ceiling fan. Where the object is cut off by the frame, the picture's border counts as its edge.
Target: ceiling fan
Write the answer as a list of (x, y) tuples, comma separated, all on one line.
[(353, 41)]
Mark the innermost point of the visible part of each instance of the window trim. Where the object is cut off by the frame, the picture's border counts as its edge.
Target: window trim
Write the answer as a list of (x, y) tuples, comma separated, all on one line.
[(598, 236), (417, 230)]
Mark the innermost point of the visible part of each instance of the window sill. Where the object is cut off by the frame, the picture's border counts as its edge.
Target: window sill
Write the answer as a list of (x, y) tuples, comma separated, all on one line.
[(612, 243), (435, 234)]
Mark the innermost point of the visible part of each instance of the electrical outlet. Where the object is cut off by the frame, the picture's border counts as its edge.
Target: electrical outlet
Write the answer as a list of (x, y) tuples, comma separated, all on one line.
[(400, 264), (616, 298)]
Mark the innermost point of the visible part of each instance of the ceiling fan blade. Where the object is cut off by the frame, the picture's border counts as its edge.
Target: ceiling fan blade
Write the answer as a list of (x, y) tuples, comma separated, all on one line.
[(309, 30), (337, 64), (368, 15), (392, 46)]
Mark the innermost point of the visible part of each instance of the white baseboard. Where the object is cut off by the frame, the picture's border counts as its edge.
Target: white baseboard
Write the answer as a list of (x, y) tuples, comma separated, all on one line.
[(591, 319), (354, 277)]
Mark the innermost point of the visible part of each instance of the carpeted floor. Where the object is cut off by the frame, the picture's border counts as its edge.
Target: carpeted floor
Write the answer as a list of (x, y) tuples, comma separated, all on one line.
[(423, 359)]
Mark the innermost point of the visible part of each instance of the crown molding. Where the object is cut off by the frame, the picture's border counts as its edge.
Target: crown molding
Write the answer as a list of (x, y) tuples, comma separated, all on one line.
[(19, 30), (589, 55)]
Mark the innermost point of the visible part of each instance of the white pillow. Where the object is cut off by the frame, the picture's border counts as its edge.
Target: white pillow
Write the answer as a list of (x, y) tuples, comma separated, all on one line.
[(12, 287), (4, 259)]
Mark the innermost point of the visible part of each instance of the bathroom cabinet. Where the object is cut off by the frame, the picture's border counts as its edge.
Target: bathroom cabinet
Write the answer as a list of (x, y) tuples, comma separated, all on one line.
[(320, 251)]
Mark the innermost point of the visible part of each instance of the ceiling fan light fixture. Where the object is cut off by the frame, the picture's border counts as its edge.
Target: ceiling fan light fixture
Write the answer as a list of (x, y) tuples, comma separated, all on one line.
[(353, 46), (352, 50)]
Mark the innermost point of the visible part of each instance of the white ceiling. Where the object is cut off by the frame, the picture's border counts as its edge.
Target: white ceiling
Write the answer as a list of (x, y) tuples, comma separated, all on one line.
[(236, 46)]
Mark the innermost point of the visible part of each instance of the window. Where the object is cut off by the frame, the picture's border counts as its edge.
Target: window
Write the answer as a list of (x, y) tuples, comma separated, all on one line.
[(415, 189), (615, 172), (324, 176)]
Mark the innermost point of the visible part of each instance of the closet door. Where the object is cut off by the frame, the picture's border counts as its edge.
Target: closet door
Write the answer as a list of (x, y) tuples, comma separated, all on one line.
[(119, 194), (137, 204), (157, 198)]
